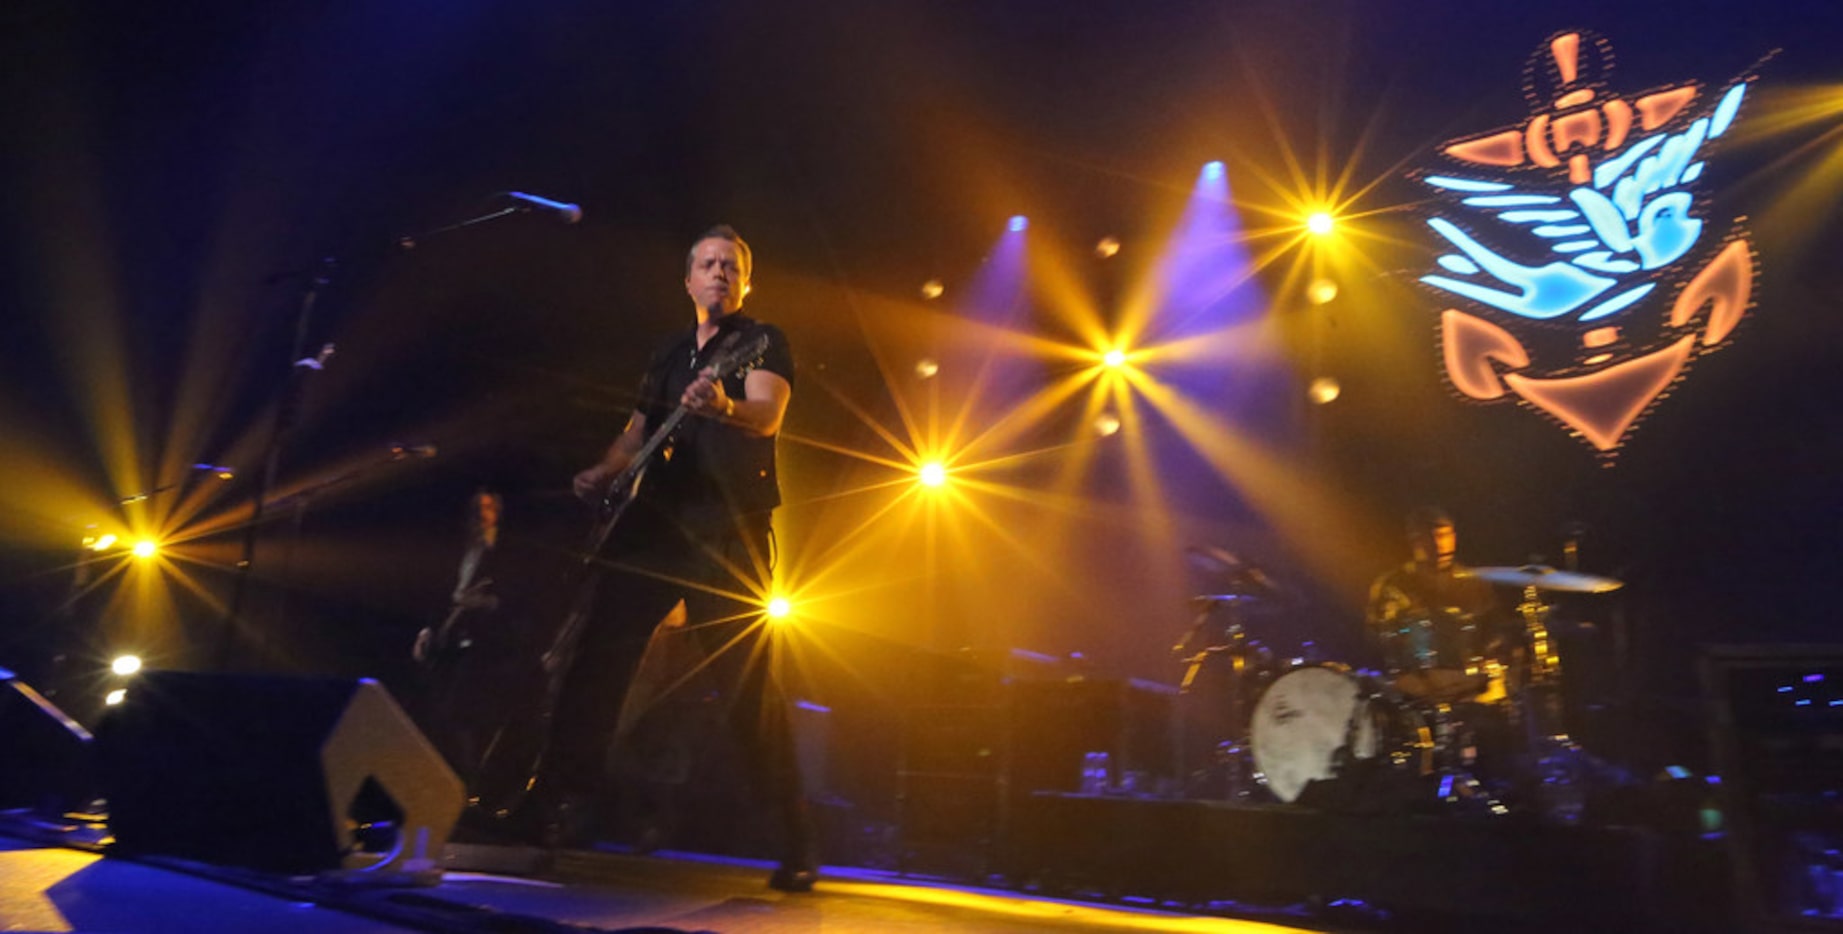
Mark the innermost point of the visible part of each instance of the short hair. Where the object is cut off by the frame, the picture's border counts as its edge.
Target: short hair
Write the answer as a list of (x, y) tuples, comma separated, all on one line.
[(1425, 519), (722, 232)]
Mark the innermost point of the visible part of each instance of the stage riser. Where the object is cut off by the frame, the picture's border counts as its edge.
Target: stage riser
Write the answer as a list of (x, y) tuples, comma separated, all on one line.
[(1195, 851)]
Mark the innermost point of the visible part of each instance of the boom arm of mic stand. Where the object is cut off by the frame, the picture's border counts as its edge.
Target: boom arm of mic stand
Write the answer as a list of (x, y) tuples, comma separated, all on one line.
[(409, 241)]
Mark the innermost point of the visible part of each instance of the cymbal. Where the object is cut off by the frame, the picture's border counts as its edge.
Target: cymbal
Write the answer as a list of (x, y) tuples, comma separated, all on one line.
[(1212, 560), (1229, 573), (1543, 577), (1206, 599)]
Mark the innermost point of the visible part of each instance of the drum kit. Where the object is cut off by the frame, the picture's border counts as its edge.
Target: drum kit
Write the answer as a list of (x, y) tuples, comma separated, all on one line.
[(1462, 719)]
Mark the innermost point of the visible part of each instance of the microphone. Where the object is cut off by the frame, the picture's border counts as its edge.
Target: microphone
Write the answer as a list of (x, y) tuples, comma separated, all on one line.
[(400, 450), (567, 213), (222, 473)]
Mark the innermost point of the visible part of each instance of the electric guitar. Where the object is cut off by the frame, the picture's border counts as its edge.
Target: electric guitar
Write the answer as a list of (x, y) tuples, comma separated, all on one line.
[(732, 355)]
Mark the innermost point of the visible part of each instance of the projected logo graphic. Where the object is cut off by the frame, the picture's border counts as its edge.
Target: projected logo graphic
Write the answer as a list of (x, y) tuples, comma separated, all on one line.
[(1585, 277)]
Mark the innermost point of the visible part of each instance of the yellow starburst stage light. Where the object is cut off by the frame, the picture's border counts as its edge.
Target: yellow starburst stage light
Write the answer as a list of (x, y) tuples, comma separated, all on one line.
[(1115, 357), (146, 548), (779, 608), (933, 473), (1320, 223), (125, 664)]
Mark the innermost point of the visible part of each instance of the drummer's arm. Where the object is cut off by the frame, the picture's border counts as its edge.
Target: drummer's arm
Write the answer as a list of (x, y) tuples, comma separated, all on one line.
[(1503, 629), (1386, 602)]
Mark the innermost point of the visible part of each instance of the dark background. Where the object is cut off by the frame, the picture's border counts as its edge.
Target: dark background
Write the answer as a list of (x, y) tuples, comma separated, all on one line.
[(163, 163)]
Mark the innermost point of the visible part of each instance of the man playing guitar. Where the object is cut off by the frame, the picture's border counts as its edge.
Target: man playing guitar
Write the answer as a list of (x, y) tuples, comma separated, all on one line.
[(698, 531)]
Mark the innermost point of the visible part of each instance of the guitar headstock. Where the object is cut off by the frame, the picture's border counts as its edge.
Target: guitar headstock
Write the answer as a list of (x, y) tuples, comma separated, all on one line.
[(736, 354)]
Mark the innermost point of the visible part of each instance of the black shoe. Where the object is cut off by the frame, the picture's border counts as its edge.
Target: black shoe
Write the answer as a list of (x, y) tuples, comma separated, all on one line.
[(794, 877), (799, 867)]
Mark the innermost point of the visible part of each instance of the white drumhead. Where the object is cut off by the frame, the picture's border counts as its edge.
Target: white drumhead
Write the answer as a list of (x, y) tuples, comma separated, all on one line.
[(1301, 722)]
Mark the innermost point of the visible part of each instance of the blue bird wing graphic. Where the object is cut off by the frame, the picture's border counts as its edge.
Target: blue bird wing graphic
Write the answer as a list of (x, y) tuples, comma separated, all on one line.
[(1634, 217), (1539, 292)]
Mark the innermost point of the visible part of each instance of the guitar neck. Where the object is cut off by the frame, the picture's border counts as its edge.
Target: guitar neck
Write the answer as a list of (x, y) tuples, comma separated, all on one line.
[(658, 438), (623, 484), (727, 362)]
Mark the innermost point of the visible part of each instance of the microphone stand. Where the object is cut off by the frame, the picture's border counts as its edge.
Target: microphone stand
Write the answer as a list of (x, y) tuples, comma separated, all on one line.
[(299, 368)]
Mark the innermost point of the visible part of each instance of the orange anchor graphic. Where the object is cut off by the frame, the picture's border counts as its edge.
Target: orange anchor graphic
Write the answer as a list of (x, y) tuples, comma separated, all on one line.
[(1602, 396)]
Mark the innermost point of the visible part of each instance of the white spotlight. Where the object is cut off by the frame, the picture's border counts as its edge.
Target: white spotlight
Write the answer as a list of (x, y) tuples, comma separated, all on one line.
[(1324, 390), (1321, 291)]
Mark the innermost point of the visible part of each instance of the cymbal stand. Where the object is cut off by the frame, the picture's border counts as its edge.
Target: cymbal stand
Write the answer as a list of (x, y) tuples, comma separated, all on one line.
[(1559, 766), (1539, 695), (1232, 753)]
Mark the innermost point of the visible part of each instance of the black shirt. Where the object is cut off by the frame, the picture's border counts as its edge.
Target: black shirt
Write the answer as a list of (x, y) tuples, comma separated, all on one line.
[(715, 473)]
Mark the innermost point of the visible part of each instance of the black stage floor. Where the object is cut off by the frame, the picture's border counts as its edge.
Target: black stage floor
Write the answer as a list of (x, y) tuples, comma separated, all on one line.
[(45, 887), (1070, 863)]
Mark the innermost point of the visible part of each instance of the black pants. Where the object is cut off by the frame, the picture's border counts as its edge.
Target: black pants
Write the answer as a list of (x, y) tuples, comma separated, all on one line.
[(652, 565)]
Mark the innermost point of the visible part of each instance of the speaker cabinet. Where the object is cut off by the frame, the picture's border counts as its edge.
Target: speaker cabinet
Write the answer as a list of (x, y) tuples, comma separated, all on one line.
[(45, 757), (278, 774)]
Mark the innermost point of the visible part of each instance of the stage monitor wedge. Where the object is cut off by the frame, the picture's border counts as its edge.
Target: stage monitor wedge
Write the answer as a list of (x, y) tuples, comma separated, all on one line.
[(290, 775), (45, 756)]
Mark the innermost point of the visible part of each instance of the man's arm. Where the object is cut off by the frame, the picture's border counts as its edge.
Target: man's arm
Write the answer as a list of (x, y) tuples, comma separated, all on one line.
[(1386, 602), (759, 412), (594, 481)]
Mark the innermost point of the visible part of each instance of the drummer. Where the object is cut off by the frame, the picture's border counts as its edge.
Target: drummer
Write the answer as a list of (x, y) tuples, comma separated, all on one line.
[(1428, 615)]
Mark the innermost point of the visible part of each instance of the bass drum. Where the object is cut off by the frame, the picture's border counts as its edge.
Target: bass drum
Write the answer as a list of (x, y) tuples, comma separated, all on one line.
[(1312, 713)]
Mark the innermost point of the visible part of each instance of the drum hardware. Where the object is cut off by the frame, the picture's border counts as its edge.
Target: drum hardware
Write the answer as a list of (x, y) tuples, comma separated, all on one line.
[(1219, 640), (1443, 685), (1436, 656), (1557, 768), (1315, 719), (1544, 662), (1245, 657), (1455, 754)]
